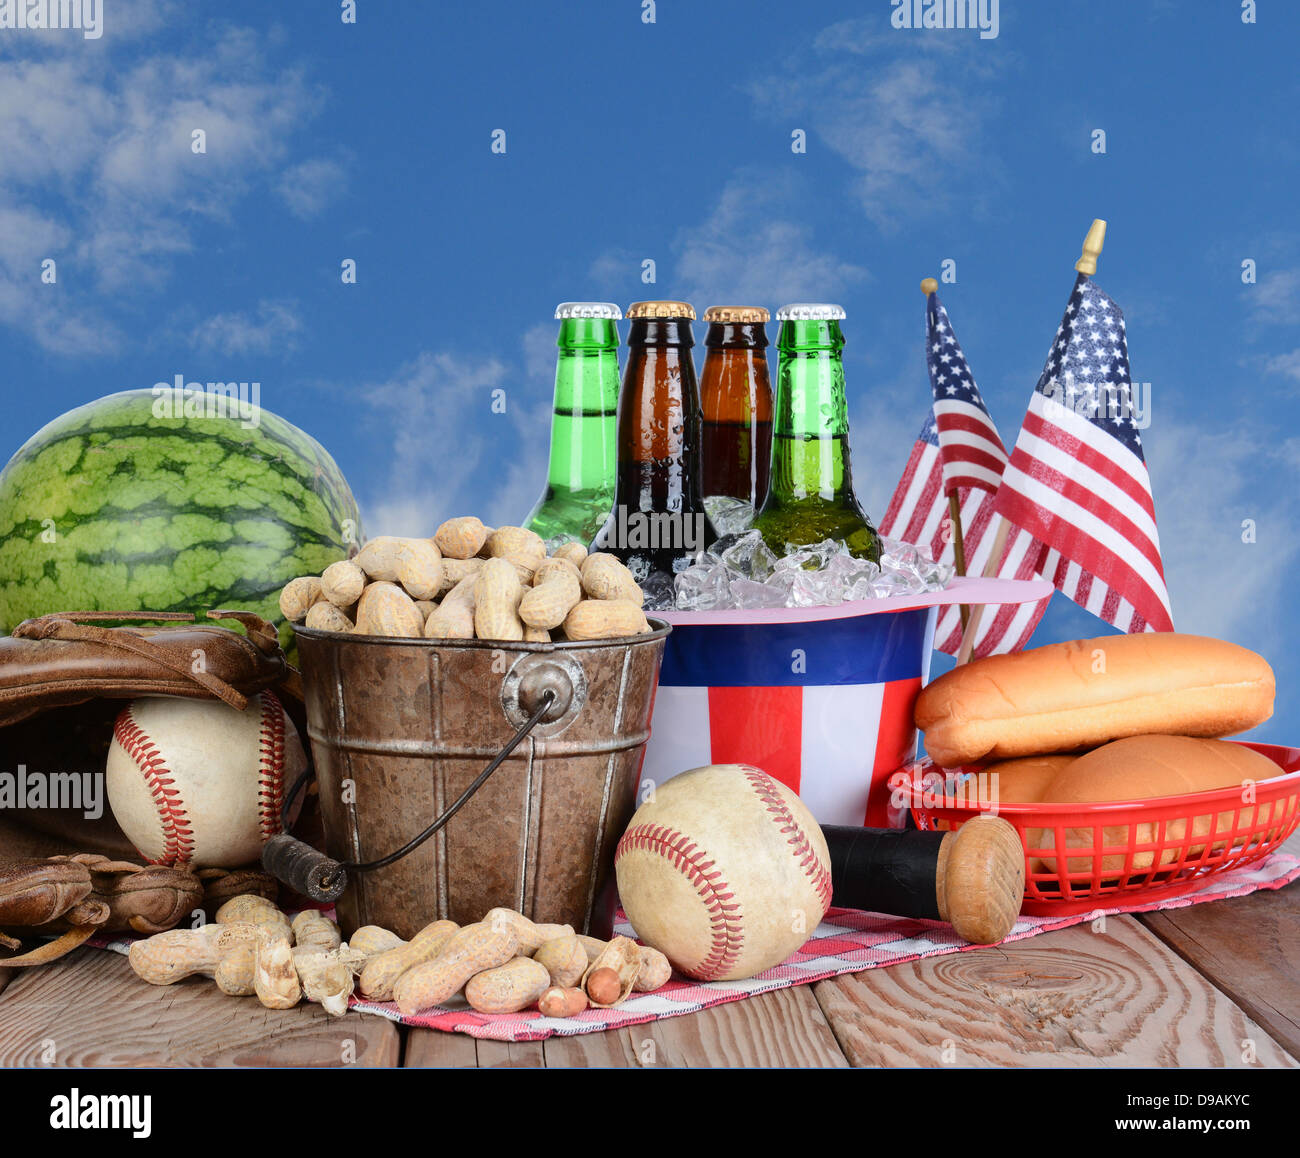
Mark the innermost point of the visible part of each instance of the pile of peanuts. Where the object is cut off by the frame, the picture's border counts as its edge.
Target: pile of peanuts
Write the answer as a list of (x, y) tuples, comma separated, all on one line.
[(470, 582), (503, 963), (253, 949)]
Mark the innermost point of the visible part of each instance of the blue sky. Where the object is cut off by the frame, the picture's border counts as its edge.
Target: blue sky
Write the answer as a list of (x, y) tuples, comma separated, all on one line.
[(628, 141)]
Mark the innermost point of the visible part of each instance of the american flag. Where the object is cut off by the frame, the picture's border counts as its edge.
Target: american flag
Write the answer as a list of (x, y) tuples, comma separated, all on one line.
[(972, 452), (959, 450), (1077, 481)]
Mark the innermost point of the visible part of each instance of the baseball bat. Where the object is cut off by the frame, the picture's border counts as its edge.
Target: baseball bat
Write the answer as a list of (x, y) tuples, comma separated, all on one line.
[(973, 878)]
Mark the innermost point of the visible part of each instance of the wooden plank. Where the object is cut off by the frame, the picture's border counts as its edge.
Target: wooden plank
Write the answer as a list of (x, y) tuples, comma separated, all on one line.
[(613, 1049), (1073, 998), (784, 1028), (433, 1048), (91, 1010), (1250, 948), (509, 1054)]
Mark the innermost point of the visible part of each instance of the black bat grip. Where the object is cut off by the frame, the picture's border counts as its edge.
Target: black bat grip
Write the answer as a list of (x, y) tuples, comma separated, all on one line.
[(304, 869), (885, 870)]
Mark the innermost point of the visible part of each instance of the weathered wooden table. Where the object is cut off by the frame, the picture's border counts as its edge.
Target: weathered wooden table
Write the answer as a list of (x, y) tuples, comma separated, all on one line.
[(1211, 985)]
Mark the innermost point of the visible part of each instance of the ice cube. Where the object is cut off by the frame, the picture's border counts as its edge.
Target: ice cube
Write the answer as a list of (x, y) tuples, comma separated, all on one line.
[(815, 556), (703, 588), (729, 516), (748, 556), (902, 553), (849, 570), (816, 589), (750, 595), (659, 591), (796, 559)]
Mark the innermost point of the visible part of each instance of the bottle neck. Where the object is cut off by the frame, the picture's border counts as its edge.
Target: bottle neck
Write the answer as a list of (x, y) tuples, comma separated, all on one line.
[(810, 454), (586, 368), (736, 336), (660, 332), (587, 335), (583, 450)]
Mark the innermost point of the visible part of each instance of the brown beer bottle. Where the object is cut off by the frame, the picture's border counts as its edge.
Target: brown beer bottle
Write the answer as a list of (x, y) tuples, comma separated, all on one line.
[(658, 522), (736, 400)]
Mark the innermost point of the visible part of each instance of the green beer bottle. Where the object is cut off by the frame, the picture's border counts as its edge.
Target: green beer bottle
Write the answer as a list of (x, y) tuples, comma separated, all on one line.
[(580, 480), (810, 495)]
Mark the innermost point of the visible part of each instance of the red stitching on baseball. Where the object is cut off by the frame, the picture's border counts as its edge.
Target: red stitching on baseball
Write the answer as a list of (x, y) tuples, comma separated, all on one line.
[(725, 915), (795, 836), (178, 836), (270, 767)]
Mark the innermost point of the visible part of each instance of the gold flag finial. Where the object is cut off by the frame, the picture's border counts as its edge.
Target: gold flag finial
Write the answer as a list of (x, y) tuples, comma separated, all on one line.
[(1087, 263), (929, 286)]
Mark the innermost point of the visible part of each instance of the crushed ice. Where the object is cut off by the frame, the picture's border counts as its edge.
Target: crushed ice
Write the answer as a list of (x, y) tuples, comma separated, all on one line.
[(740, 572)]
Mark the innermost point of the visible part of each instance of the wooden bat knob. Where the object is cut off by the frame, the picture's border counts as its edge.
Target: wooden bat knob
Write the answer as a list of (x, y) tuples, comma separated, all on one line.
[(980, 881)]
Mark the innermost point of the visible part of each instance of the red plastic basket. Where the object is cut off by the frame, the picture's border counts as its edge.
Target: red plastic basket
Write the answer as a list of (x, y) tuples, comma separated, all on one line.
[(1126, 852)]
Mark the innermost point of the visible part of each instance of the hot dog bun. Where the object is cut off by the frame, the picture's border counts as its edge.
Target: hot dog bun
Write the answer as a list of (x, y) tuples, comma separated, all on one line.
[(1083, 694), (1146, 766), (1023, 781), (1020, 781)]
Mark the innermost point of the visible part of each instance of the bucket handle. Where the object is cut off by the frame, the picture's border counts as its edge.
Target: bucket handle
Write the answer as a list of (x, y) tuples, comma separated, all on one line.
[(308, 871)]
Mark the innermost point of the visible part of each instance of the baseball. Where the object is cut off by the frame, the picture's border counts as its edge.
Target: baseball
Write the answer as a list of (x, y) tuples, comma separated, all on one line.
[(198, 782), (724, 871)]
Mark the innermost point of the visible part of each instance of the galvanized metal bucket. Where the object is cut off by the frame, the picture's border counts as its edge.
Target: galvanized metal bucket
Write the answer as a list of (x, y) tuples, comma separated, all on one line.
[(401, 728)]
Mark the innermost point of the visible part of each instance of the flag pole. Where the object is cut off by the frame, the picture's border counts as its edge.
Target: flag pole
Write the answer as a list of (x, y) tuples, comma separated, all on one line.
[(931, 286), (1087, 265)]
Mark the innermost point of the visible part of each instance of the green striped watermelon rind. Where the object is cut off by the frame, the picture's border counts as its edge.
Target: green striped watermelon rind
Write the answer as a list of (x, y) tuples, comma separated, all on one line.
[(223, 517)]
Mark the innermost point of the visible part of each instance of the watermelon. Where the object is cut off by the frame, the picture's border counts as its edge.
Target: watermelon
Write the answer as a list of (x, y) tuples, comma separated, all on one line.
[(127, 504)]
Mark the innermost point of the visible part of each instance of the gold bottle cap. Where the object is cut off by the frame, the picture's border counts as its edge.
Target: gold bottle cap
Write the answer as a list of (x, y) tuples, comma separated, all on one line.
[(664, 309), (736, 315)]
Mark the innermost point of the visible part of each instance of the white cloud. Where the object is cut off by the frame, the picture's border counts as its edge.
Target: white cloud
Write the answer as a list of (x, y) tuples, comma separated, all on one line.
[(273, 326), (614, 267), (881, 435), (95, 146), (746, 252), (27, 238), (1288, 365), (119, 22), (448, 453), (540, 351), (1277, 298), (308, 187), (1206, 483), (899, 109)]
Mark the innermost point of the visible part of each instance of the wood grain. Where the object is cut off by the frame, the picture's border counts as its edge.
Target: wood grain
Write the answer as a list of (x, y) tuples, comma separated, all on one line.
[(91, 1010), (1074, 998), (783, 1028), (432, 1048), (1250, 948)]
